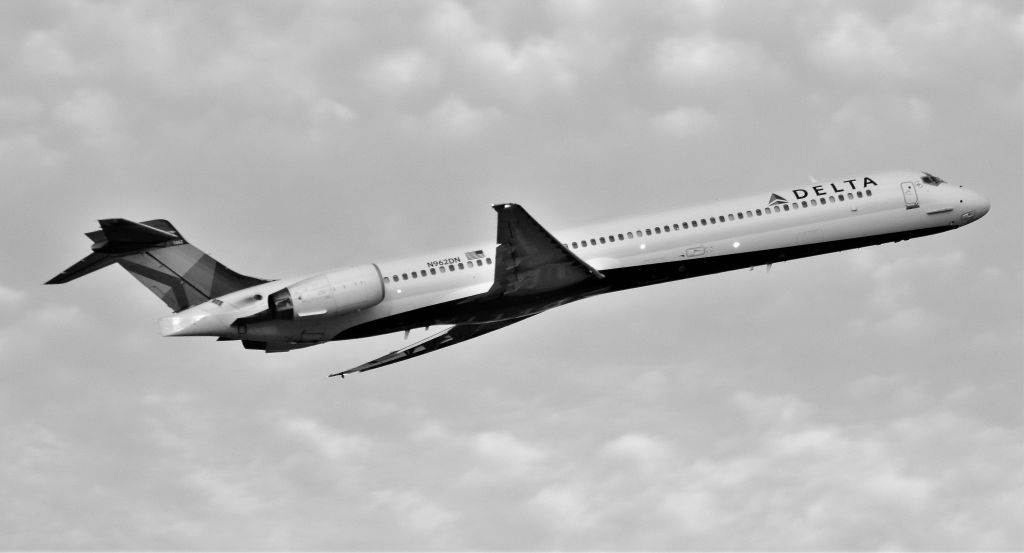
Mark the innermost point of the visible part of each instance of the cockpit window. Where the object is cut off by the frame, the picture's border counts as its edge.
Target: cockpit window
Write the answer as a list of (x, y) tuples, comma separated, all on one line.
[(931, 179)]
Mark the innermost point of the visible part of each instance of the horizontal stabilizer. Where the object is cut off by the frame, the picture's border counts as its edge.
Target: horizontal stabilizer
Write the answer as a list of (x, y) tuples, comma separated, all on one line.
[(156, 254), (122, 235), (88, 264)]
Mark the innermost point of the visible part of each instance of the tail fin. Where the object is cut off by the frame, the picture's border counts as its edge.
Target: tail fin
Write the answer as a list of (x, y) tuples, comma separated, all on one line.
[(157, 255)]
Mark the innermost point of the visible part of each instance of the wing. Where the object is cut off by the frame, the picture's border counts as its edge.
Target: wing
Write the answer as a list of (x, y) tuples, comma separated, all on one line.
[(529, 260), (454, 335)]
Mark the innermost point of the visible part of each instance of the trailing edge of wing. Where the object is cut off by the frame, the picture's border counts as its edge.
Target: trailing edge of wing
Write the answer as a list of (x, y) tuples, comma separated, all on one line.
[(454, 335), (529, 260)]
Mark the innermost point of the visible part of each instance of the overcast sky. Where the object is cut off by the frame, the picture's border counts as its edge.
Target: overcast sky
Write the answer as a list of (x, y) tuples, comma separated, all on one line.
[(862, 400)]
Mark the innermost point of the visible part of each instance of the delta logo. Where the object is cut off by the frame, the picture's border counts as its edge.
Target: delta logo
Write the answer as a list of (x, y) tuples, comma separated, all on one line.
[(819, 190)]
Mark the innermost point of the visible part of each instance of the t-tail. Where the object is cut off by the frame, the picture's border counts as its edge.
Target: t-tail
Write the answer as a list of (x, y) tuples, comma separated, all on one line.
[(157, 255)]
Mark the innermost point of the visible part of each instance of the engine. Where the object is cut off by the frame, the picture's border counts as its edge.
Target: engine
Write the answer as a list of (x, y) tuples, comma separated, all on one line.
[(335, 293)]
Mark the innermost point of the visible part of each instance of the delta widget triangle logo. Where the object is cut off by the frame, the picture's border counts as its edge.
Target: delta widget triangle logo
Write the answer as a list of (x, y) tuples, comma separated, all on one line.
[(776, 200)]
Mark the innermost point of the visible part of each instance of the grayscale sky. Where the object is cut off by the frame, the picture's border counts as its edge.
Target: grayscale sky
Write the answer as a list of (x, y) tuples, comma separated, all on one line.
[(864, 400)]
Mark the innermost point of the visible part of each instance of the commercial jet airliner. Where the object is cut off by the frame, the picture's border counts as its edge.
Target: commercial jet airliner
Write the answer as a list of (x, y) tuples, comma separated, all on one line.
[(525, 271)]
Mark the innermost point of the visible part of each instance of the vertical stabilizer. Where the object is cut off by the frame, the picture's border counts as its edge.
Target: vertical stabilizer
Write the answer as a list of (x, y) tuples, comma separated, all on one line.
[(156, 254)]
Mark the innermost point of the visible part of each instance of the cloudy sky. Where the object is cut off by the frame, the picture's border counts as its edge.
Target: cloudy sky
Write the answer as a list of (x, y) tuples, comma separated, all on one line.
[(863, 400)]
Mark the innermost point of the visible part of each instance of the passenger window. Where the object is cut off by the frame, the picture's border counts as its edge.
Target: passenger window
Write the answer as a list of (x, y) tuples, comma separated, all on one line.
[(749, 214), (849, 196), (841, 198), (731, 217), (461, 266), (831, 199), (621, 238), (648, 232), (868, 192), (675, 226), (814, 202), (713, 220), (704, 222), (451, 268), (686, 225), (739, 215), (666, 228), (602, 240), (414, 275), (785, 207), (583, 243), (804, 203), (758, 212), (433, 271), (394, 277), (387, 280), (611, 238), (488, 260), (593, 242), (629, 235), (442, 268), (778, 209), (574, 245), (657, 230), (423, 273), (860, 194), (479, 263)]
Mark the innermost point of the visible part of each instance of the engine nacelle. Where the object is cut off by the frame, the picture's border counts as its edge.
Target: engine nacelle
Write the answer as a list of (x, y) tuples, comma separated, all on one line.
[(335, 293)]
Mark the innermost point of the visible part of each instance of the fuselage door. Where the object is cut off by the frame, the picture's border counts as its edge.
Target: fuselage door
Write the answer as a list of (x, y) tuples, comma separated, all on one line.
[(910, 195)]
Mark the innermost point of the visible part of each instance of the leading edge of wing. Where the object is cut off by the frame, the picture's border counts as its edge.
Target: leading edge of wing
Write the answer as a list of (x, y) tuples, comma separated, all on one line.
[(452, 336), (529, 260)]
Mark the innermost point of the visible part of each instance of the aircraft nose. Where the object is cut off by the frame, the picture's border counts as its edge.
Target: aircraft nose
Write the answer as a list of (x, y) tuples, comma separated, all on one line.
[(975, 206)]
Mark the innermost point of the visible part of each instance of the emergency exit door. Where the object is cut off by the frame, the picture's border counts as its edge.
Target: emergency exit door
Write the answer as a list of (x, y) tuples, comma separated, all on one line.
[(910, 195)]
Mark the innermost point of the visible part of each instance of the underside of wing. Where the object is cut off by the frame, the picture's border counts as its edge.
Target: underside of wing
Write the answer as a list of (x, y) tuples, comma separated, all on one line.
[(529, 260), (454, 335)]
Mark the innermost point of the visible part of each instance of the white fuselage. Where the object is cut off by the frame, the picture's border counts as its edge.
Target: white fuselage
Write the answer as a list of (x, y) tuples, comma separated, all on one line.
[(671, 245)]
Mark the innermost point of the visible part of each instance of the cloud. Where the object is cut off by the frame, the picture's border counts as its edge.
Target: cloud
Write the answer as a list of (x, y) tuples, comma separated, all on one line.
[(333, 445), (867, 116), (10, 295), (454, 118), (326, 111), (768, 409), (506, 450), (43, 53), (534, 68), (685, 121), (226, 492), (93, 115), (414, 511), (563, 508), (645, 451), (504, 460), (405, 71), (855, 47), (706, 62)]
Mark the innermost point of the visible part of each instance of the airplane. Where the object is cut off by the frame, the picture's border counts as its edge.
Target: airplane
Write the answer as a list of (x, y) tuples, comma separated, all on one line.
[(527, 270)]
